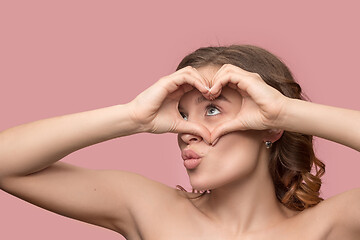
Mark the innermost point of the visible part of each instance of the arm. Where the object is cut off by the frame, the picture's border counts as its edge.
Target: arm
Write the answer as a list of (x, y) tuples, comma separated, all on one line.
[(30, 171), (112, 199), (31, 147), (332, 123), (266, 108)]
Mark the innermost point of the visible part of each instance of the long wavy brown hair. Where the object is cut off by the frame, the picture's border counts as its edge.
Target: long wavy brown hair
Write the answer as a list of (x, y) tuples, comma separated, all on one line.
[(292, 157)]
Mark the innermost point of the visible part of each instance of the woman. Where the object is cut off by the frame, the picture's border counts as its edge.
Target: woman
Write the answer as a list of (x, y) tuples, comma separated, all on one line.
[(245, 133)]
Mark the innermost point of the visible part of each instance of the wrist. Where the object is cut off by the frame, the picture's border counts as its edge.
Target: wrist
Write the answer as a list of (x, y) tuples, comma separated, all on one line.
[(130, 120), (287, 106), (289, 117)]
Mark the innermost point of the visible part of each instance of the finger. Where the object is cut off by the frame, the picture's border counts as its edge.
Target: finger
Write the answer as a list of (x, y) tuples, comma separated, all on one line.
[(220, 83), (200, 76), (237, 79), (194, 129), (181, 91), (232, 73), (241, 92), (221, 69), (205, 81), (173, 82), (233, 86), (216, 88), (187, 88), (193, 71), (225, 128)]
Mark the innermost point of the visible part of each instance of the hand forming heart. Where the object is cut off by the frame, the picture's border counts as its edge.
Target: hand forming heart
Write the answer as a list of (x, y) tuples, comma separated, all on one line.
[(156, 109), (262, 105)]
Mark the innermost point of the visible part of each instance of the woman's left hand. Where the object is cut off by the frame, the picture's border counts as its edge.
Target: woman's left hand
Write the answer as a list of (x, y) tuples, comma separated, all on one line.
[(262, 105)]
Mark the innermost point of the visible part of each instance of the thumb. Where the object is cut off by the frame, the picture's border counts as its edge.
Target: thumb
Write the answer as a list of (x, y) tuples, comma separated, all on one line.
[(194, 129)]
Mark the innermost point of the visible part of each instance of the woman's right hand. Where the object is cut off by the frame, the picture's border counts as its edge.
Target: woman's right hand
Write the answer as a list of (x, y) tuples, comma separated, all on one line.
[(156, 109)]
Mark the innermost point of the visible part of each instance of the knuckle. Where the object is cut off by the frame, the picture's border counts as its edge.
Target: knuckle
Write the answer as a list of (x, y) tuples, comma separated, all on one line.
[(256, 75), (228, 65), (188, 72), (188, 69), (227, 77), (185, 70)]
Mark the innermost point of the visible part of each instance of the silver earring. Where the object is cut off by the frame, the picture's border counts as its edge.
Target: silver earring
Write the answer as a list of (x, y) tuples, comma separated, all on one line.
[(268, 144)]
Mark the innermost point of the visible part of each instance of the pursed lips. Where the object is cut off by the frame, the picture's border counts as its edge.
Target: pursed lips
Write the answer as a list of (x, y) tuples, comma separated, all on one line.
[(189, 154)]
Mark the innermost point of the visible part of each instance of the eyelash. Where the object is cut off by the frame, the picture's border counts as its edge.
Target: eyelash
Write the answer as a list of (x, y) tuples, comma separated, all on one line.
[(212, 106), (207, 109)]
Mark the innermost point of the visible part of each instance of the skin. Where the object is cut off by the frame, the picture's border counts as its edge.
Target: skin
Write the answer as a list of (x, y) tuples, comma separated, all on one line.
[(241, 205), (243, 196)]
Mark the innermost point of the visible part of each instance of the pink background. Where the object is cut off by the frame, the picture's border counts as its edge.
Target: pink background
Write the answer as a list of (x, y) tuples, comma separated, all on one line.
[(61, 57)]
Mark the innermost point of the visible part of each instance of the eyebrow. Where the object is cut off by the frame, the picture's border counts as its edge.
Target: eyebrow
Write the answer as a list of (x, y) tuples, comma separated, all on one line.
[(202, 99)]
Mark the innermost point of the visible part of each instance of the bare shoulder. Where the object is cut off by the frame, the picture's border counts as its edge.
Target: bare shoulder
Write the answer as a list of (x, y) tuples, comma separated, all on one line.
[(147, 201), (151, 204), (337, 217), (113, 199)]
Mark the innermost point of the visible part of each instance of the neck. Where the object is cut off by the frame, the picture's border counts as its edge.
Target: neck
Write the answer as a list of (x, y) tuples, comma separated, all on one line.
[(249, 204)]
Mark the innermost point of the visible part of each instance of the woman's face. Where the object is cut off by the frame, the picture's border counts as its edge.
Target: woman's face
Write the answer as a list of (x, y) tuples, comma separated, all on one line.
[(235, 155)]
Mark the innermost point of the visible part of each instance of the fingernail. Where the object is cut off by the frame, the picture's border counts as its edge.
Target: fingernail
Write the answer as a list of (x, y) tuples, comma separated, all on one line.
[(216, 140), (207, 88)]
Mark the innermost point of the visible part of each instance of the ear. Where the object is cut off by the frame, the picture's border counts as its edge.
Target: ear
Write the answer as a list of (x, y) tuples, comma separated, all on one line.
[(273, 135)]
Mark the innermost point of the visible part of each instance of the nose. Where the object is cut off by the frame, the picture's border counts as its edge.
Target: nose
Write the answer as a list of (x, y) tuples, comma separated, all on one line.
[(189, 138)]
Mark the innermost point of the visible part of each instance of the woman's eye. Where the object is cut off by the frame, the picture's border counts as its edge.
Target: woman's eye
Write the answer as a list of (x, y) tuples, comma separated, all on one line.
[(183, 115), (211, 110)]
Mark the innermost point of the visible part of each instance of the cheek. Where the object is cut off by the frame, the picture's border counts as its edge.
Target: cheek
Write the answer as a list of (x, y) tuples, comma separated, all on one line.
[(234, 157), (237, 150), (240, 140)]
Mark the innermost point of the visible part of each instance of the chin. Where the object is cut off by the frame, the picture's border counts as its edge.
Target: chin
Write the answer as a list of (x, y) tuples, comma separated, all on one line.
[(220, 179), (203, 183), (199, 183)]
